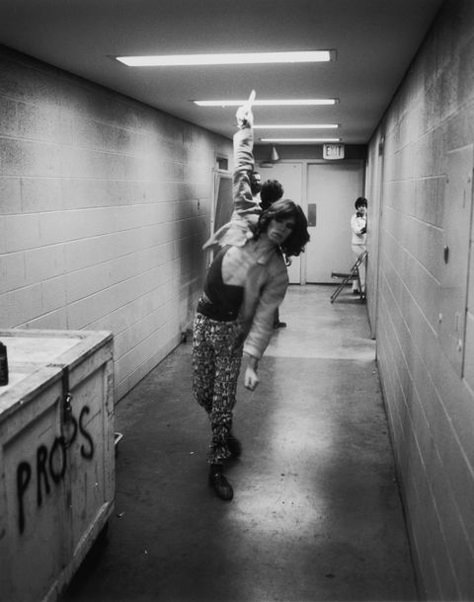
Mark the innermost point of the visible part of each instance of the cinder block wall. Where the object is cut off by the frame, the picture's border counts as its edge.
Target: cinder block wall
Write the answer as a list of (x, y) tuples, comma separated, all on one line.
[(104, 206), (420, 183)]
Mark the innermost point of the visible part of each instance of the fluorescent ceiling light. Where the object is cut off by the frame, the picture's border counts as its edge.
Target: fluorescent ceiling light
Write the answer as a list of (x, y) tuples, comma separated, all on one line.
[(268, 103), (299, 140), (314, 126), (235, 58)]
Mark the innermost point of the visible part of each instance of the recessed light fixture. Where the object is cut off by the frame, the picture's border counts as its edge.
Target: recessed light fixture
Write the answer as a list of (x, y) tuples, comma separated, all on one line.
[(299, 140), (234, 58), (268, 103), (314, 126)]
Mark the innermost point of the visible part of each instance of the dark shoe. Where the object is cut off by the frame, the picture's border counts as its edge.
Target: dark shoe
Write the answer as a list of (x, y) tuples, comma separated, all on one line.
[(219, 483), (279, 325), (234, 445)]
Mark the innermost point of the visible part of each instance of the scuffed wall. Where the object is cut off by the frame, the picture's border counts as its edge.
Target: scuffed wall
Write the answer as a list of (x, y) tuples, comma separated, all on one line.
[(104, 206), (420, 170)]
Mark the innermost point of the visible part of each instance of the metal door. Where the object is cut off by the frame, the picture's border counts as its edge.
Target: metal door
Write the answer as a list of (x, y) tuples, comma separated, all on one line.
[(454, 275), (331, 190)]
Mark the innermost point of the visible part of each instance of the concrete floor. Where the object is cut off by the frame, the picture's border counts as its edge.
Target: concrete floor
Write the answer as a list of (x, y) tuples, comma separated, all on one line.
[(316, 513)]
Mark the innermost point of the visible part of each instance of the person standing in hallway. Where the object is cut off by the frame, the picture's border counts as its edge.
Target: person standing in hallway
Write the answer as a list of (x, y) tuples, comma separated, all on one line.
[(270, 192), (359, 241), (255, 184), (245, 284)]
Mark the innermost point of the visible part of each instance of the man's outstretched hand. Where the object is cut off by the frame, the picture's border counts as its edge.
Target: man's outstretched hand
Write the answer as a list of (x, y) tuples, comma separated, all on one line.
[(251, 379), (244, 114)]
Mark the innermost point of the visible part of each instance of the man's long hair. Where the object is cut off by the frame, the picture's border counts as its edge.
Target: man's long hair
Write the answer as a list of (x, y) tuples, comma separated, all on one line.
[(283, 209)]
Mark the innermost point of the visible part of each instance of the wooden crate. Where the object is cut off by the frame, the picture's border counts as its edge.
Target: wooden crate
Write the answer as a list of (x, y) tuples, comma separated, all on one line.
[(56, 457)]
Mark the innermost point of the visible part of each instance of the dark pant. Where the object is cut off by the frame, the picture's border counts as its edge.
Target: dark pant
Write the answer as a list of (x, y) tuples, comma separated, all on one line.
[(217, 356)]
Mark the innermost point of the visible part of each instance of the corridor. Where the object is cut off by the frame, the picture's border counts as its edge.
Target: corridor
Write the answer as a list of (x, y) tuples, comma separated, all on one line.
[(316, 514)]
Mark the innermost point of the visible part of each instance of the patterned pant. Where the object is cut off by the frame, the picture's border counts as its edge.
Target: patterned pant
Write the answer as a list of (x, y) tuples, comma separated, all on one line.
[(217, 355)]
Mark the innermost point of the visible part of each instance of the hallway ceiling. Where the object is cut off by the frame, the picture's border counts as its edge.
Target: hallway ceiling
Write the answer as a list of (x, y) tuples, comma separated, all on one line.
[(375, 41)]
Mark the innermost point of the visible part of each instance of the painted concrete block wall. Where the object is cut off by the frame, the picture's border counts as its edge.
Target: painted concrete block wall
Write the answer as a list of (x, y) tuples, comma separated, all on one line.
[(373, 184), (104, 206), (428, 135)]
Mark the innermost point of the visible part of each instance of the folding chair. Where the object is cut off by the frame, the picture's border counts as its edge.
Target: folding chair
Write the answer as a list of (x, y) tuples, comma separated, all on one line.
[(349, 277)]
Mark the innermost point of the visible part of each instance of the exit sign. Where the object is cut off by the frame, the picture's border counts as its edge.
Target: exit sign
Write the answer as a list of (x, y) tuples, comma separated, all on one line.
[(333, 151)]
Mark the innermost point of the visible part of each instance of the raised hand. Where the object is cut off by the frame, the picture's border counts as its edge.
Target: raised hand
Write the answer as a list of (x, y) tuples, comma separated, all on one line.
[(244, 114)]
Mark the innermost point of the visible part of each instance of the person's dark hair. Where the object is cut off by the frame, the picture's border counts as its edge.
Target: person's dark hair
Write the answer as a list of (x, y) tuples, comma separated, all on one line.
[(283, 209), (360, 202), (255, 182), (271, 191)]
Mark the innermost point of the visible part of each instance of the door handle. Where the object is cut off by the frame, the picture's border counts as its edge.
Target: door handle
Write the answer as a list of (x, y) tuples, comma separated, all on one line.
[(311, 215)]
